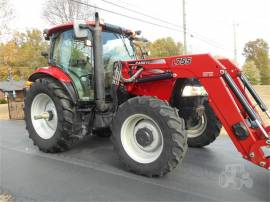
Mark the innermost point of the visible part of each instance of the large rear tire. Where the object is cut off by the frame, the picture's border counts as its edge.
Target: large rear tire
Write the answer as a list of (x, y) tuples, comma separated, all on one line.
[(149, 136), (59, 131)]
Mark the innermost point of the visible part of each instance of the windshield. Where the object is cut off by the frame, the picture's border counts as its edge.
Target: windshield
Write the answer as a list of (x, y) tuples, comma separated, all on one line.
[(116, 47)]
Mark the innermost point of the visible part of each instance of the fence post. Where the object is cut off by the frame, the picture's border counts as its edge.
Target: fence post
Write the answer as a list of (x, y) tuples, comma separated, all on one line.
[(9, 107)]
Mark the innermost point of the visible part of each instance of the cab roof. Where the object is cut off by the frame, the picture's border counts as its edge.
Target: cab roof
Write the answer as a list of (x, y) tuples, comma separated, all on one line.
[(105, 26)]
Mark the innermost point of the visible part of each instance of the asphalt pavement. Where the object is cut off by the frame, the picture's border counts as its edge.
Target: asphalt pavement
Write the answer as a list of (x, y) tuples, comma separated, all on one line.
[(91, 172)]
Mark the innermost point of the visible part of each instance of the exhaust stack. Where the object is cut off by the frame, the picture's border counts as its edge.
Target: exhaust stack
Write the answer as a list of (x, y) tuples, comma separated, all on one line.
[(99, 73)]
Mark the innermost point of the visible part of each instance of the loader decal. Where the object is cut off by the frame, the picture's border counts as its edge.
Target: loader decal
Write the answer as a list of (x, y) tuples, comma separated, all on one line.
[(146, 62), (182, 61)]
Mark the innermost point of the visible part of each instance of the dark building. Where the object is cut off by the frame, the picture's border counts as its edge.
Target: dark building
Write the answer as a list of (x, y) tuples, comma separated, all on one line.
[(12, 89)]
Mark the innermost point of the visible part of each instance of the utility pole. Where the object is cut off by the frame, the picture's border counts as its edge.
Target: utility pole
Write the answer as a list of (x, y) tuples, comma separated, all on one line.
[(235, 42), (184, 26)]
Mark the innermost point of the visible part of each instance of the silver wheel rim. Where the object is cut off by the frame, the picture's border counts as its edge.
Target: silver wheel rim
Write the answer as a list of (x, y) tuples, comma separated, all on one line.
[(139, 153), (43, 127), (197, 129)]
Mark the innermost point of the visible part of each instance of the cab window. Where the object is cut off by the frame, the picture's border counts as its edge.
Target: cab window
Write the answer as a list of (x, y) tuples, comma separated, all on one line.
[(74, 56)]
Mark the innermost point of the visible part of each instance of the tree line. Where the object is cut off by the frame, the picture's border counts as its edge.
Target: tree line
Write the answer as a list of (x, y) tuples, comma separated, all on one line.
[(21, 55), (257, 64)]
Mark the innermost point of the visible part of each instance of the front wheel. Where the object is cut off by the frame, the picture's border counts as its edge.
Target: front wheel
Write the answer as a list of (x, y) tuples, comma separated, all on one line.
[(203, 129), (149, 136)]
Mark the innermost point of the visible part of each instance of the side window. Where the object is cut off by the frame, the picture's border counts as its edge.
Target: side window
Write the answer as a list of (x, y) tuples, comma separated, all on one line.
[(75, 57), (81, 57), (62, 49)]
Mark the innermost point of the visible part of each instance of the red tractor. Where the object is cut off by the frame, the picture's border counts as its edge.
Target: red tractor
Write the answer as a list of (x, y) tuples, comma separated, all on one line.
[(95, 84)]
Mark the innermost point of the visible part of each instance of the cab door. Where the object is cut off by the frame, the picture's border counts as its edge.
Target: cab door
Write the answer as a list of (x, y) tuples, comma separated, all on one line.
[(75, 57)]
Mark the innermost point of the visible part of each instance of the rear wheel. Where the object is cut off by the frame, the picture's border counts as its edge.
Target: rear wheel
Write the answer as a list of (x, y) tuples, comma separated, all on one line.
[(148, 136), (50, 116)]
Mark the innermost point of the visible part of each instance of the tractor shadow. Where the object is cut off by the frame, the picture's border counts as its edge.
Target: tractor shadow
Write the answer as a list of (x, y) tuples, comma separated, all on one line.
[(95, 149), (100, 150)]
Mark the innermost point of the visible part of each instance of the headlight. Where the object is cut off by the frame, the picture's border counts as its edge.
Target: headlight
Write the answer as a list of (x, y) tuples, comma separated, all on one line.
[(194, 91)]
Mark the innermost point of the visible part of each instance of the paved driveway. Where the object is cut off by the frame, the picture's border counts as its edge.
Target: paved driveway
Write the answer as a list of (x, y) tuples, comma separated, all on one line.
[(92, 172)]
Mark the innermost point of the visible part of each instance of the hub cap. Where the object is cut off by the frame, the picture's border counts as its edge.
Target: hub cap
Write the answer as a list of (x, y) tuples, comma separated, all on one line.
[(44, 116), (196, 128), (142, 138)]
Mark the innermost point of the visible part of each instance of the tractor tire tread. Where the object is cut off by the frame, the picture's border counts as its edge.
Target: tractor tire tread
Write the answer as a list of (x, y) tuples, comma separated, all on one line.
[(210, 134), (175, 133), (70, 128)]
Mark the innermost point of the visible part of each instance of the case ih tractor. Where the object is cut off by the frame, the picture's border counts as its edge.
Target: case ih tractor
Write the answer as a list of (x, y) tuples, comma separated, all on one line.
[(95, 84)]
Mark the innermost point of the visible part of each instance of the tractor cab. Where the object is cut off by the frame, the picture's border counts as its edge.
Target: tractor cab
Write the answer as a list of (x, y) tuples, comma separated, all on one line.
[(75, 56)]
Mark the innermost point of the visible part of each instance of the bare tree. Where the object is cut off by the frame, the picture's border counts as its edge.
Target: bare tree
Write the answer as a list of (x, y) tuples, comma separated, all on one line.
[(61, 11), (6, 15)]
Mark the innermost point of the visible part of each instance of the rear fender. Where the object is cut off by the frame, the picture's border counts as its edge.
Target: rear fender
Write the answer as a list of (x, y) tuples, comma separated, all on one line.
[(58, 75), (52, 71)]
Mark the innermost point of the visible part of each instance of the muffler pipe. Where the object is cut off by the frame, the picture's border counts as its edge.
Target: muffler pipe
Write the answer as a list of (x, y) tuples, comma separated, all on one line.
[(99, 71)]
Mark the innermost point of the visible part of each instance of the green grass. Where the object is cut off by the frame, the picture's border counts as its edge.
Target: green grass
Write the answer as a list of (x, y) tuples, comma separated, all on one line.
[(2, 101)]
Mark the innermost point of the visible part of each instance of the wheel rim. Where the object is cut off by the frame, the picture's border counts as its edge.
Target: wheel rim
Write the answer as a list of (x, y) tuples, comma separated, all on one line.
[(45, 128), (142, 138), (198, 128)]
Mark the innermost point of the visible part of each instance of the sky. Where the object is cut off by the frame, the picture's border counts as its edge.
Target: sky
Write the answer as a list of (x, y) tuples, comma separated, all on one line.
[(209, 22)]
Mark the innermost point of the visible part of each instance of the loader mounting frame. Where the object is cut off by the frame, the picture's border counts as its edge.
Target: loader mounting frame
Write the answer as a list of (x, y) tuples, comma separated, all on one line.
[(227, 90)]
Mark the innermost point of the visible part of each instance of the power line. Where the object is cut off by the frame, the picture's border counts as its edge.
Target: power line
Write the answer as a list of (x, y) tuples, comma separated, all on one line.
[(123, 15), (212, 44), (148, 22), (207, 40), (183, 29), (127, 3), (140, 13)]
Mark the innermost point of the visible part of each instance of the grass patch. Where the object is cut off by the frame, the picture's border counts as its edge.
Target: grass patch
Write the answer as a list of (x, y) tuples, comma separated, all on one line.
[(2, 101)]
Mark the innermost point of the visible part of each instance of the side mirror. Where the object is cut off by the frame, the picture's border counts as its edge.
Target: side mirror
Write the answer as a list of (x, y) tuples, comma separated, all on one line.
[(44, 54), (80, 29)]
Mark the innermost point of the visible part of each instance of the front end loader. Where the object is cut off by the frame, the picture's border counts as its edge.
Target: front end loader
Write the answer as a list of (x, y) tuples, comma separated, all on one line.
[(95, 85)]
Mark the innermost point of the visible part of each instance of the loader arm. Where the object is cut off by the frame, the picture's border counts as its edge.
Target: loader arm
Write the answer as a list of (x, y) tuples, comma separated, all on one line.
[(226, 88)]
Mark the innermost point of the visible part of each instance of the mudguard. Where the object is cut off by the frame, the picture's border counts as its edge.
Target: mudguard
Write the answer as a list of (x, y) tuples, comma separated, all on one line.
[(59, 75)]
